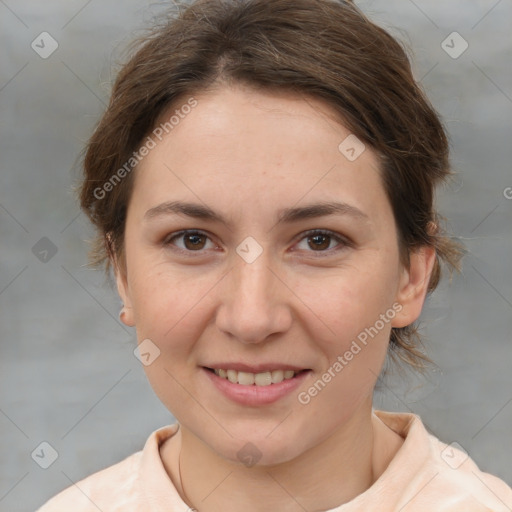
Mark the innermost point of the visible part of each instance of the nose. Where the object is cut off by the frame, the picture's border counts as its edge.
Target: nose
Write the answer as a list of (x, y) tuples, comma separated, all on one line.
[(254, 302)]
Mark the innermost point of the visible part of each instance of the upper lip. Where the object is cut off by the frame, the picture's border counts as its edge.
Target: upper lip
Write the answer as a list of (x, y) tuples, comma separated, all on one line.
[(255, 368)]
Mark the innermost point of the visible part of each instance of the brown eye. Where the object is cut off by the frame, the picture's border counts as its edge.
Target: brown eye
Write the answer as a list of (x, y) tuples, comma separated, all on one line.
[(193, 241), (320, 241)]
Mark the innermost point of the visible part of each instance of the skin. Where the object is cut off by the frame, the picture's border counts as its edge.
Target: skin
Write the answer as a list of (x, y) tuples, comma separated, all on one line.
[(248, 154)]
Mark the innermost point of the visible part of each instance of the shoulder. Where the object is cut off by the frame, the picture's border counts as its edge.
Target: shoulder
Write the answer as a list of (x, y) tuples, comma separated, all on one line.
[(459, 475), (438, 475), (87, 494), (120, 487)]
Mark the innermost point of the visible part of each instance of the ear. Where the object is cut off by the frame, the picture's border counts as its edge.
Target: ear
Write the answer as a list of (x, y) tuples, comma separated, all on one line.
[(123, 289), (413, 285)]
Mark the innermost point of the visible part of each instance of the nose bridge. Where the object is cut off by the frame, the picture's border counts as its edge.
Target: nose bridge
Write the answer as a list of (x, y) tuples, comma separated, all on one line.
[(252, 307), (254, 281)]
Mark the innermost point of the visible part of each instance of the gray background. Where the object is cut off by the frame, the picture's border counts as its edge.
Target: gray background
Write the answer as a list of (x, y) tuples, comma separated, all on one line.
[(68, 375)]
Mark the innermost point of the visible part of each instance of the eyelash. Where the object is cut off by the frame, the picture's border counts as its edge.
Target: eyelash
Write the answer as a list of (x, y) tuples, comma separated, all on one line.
[(344, 242)]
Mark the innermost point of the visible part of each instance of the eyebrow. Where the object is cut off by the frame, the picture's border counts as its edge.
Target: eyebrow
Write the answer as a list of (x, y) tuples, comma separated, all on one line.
[(286, 215)]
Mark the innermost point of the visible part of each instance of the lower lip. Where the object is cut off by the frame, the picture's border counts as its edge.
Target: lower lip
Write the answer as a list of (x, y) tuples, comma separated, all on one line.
[(255, 395)]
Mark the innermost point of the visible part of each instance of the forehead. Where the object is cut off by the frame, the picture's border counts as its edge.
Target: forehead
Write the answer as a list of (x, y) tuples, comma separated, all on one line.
[(260, 148)]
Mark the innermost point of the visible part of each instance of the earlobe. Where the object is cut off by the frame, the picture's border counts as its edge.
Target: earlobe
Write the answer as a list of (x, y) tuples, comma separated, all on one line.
[(413, 285), (126, 313), (125, 318)]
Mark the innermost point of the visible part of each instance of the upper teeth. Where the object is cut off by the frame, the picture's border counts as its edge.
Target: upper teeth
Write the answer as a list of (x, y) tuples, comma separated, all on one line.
[(259, 379)]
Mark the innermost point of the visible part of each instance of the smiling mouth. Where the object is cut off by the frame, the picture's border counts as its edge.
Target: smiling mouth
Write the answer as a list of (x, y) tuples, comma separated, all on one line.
[(255, 379)]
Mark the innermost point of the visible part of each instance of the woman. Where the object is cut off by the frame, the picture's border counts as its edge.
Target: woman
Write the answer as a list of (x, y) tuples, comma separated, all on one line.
[(262, 183)]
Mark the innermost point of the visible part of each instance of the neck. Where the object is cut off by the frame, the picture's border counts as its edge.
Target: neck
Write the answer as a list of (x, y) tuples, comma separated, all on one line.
[(332, 473)]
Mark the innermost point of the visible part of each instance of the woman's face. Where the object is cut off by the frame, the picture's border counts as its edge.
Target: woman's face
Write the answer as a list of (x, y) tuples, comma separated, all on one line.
[(265, 281)]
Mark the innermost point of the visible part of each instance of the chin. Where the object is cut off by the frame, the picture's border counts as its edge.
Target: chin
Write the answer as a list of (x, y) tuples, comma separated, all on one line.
[(252, 448), (260, 454)]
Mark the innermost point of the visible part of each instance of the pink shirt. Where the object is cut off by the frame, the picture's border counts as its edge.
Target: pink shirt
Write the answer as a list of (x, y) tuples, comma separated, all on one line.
[(425, 475)]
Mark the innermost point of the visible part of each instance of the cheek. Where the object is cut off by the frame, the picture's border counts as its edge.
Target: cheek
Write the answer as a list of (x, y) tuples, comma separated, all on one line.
[(167, 305), (356, 315), (171, 311), (347, 303), (353, 315)]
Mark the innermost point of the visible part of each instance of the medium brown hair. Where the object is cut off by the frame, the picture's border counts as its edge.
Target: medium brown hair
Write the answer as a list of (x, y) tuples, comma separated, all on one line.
[(325, 49)]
